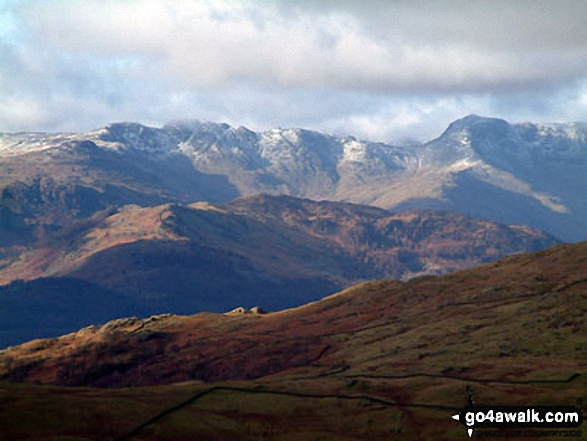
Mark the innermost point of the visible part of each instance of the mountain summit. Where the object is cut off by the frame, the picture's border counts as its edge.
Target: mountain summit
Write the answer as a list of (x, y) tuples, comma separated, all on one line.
[(529, 174)]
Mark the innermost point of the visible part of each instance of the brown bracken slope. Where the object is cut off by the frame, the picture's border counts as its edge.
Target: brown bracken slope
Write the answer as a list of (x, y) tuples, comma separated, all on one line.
[(522, 317), (276, 252), (381, 360), (280, 236)]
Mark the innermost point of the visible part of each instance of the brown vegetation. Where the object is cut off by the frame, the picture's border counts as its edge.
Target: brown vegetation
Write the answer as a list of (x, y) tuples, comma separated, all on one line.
[(381, 360)]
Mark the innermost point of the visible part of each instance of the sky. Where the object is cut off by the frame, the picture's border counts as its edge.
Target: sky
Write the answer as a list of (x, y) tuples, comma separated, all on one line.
[(389, 71)]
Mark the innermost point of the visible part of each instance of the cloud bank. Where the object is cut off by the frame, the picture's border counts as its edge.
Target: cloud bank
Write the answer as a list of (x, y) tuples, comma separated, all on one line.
[(389, 71)]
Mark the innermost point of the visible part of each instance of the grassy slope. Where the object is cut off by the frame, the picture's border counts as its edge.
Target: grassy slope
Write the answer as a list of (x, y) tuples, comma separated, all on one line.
[(376, 361)]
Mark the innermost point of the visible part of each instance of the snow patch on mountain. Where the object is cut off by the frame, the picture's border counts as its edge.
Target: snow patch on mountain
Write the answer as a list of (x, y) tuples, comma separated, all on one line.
[(354, 151)]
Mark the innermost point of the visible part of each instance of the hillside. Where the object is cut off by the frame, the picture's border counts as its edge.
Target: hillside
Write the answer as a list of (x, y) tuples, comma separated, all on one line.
[(386, 357), (273, 251)]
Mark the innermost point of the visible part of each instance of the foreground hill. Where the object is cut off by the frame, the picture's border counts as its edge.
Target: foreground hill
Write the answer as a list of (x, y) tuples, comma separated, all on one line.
[(528, 174), (272, 251), (378, 360)]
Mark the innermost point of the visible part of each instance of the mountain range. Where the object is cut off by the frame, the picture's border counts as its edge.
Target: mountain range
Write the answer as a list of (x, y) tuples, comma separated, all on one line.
[(239, 275), (135, 220), (523, 174)]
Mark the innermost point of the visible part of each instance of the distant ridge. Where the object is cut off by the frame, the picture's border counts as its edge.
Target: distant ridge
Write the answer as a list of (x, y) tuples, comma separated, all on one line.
[(271, 251), (525, 174)]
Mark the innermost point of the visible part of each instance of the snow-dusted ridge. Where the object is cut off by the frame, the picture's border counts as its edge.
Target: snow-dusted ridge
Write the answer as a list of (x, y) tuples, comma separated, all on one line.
[(544, 164)]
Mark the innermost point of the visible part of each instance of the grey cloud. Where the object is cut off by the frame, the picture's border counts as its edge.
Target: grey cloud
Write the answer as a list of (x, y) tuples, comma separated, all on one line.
[(403, 48), (388, 71), (505, 24)]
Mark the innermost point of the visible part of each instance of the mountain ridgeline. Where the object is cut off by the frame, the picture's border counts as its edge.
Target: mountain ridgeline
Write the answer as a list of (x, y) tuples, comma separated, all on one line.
[(272, 251), (523, 174)]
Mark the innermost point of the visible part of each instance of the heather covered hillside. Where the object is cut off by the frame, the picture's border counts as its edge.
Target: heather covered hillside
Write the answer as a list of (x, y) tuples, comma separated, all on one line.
[(275, 252), (377, 360)]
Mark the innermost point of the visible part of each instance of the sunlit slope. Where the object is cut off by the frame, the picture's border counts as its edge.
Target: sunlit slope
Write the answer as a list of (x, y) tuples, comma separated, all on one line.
[(519, 318), (272, 251), (382, 360)]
